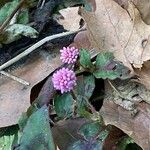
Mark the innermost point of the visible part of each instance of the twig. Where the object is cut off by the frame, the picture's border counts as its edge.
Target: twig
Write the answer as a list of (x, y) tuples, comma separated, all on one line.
[(35, 46), (15, 78), (6, 22), (43, 3)]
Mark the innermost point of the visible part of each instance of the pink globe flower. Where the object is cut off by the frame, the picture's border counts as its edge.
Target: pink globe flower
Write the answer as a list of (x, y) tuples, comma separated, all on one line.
[(64, 80), (69, 55)]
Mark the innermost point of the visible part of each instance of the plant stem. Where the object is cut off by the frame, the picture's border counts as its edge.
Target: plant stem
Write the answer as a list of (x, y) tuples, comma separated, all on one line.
[(35, 46), (15, 78)]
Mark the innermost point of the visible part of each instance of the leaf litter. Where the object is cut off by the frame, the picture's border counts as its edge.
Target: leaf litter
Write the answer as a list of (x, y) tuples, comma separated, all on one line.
[(124, 34)]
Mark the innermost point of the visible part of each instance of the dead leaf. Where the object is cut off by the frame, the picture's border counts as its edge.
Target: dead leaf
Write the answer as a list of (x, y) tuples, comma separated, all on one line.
[(81, 41), (137, 127), (114, 136), (15, 97), (112, 28), (144, 74), (122, 3), (70, 19), (143, 6)]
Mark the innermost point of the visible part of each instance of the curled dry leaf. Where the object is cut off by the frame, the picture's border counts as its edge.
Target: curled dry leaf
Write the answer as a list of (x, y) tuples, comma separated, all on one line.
[(137, 127), (112, 28), (15, 97), (70, 18)]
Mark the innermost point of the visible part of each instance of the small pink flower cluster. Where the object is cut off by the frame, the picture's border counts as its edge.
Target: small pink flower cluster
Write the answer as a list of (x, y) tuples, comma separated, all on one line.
[(65, 79), (69, 55)]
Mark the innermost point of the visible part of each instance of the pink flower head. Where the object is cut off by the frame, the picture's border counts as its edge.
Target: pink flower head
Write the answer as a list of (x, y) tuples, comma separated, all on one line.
[(64, 80), (69, 55)]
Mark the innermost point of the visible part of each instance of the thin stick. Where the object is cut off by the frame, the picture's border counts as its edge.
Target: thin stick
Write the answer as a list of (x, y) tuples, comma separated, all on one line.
[(35, 46), (15, 78), (114, 88), (6, 22)]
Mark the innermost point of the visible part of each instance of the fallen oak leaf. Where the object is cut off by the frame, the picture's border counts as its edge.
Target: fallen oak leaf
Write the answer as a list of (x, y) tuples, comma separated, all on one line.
[(70, 18), (81, 40), (144, 74), (15, 97), (143, 6), (137, 127), (112, 28)]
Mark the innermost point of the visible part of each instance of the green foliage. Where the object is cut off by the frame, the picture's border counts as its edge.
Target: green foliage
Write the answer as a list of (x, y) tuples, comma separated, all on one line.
[(31, 3), (64, 105), (37, 133), (93, 137), (69, 3), (83, 91), (9, 137), (85, 59), (15, 31), (86, 145), (24, 118), (7, 9), (127, 143), (107, 67), (85, 85), (90, 130), (23, 17), (123, 143)]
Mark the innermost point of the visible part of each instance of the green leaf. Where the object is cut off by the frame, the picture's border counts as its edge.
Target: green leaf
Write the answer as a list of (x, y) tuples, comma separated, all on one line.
[(15, 31), (107, 67), (82, 107), (85, 59), (37, 133), (9, 137), (7, 9), (83, 91), (90, 130), (124, 142), (103, 135), (64, 105), (93, 137), (87, 5), (23, 17), (85, 86), (24, 117), (89, 87), (86, 145)]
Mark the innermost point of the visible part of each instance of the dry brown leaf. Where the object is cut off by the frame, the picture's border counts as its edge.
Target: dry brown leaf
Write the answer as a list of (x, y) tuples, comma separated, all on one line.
[(81, 41), (137, 127), (70, 19), (143, 6), (112, 28), (144, 74), (114, 136), (15, 97)]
